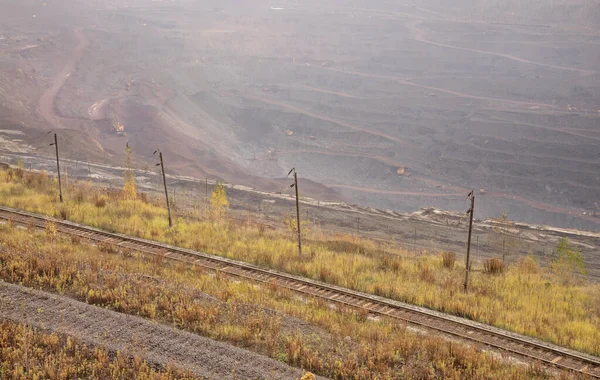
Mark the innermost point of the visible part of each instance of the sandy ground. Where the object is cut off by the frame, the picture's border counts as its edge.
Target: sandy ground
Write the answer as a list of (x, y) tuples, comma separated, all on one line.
[(154, 342)]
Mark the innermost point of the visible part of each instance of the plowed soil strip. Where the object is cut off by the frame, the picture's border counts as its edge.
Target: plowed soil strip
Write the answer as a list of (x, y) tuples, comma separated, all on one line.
[(154, 342)]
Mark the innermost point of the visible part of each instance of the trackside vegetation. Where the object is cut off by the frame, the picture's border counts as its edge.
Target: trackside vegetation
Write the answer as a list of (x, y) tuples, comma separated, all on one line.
[(554, 304), (306, 333), (28, 353)]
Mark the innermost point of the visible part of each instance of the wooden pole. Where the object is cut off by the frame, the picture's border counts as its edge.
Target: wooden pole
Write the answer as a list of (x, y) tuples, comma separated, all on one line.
[(415, 241), (472, 196), (162, 166), (60, 194), (298, 213)]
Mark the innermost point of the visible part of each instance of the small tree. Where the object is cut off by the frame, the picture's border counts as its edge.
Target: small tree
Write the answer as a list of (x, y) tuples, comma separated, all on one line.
[(218, 201), (568, 261), (129, 190)]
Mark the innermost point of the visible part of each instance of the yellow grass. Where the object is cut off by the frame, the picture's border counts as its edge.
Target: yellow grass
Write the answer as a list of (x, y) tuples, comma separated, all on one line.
[(305, 333), (27, 353), (525, 298)]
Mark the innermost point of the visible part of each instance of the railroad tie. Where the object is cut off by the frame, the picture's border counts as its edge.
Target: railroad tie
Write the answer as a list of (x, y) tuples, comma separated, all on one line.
[(556, 359)]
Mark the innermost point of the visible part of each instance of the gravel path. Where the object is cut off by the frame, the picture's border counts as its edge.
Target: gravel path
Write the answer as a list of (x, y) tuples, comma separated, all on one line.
[(134, 335)]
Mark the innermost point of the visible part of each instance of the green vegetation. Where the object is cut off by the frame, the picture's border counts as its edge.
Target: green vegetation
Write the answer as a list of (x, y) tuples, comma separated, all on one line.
[(568, 262), (27, 353), (306, 333), (523, 297)]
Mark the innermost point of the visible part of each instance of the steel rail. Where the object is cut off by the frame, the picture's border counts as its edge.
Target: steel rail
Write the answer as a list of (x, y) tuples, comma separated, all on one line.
[(549, 354)]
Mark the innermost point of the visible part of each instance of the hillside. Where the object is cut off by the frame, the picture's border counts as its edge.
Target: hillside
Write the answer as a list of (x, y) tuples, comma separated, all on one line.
[(499, 95), (376, 267)]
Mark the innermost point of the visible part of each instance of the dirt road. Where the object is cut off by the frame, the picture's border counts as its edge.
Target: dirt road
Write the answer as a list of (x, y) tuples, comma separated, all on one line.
[(153, 342), (395, 192), (46, 102), (407, 82), (342, 123), (419, 35)]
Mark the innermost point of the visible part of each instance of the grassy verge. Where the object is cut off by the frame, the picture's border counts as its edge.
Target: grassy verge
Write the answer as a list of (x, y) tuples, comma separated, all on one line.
[(27, 353), (305, 333), (525, 298)]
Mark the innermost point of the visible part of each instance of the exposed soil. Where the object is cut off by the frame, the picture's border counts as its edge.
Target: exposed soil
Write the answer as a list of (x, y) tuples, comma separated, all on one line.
[(153, 342), (500, 96)]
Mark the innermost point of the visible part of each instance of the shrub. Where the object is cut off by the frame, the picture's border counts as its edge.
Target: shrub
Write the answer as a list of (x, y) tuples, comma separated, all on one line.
[(100, 202), (389, 262), (427, 274), (64, 213), (448, 259), (107, 247), (493, 266), (528, 264)]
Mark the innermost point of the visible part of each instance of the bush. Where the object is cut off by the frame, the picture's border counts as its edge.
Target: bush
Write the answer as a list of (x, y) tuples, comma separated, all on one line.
[(493, 266), (528, 264), (100, 202), (64, 213), (448, 259), (427, 274), (389, 262)]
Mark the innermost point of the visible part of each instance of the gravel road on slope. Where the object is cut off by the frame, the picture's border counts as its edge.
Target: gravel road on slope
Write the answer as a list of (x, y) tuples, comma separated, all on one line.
[(154, 342)]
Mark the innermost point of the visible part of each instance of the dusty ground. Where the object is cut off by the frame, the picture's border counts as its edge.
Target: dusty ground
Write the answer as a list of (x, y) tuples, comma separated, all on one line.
[(154, 342), (390, 104)]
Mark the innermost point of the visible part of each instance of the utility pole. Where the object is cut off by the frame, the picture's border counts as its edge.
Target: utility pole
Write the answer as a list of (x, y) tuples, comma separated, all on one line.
[(162, 166), (297, 209), (58, 168), (472, 198), (206, 195), (415, 245)]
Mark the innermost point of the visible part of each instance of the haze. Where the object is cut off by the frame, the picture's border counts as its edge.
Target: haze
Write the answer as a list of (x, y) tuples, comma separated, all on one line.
[(391, 104)]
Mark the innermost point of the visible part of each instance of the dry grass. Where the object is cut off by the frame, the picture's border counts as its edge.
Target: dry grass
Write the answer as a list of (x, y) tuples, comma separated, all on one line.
[(448, 259), (526, 299), (269, 320), (27, 353)]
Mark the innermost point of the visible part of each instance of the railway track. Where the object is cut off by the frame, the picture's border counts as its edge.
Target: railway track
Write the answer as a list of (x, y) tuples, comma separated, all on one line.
[(530, 348)]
